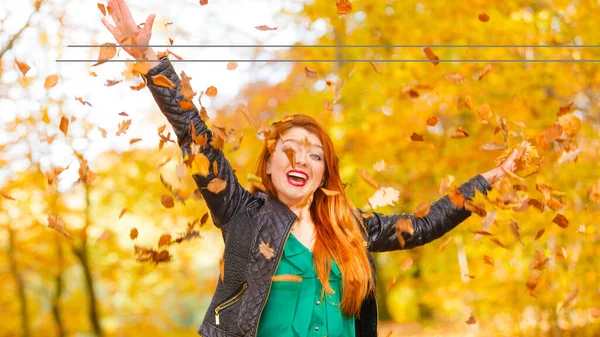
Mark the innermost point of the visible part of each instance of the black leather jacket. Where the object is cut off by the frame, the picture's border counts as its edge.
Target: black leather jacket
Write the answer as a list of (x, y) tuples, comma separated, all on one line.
[(248, 219)]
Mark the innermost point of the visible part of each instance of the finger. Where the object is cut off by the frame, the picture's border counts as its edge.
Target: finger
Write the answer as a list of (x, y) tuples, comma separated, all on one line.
[(110, 28), (149, 23), (114, 12), (124, 10)]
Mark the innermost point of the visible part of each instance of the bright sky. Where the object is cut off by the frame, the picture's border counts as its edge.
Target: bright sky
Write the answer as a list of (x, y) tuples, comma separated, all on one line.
[(219, 22)]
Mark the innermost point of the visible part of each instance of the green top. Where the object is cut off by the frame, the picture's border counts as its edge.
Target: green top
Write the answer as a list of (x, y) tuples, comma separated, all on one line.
[(295, 309)]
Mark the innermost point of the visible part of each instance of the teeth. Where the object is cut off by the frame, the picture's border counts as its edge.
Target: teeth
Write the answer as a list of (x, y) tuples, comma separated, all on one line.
[(297, 175)]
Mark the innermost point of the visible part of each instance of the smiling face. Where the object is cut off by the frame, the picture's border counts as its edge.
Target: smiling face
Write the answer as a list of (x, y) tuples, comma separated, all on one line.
[(298, 181)]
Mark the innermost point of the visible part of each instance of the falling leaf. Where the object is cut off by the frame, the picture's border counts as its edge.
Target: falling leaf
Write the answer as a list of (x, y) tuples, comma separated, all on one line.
[(286, 278), (171, 41), (485, 113), (186, 105), (492, 146), (368, 215), (489, 260), (569, 299), (565, 109), (134, 140), (327, 105), (445, 184), (138, 87), (561, 221), (50, 81), (164, 240), (384, 196), (263, 28), (107, 51), (516, 230), (123, 113), (445, 243), (485, 71), (110, 83), (432, 121), (133, 234), (404, 225), (484, 17), (468, 102), (498, 242), (561, 253), (594, 192), (367, 178), (102, 9), (104, 236), (595, 312), (203, 2), (415, 137), (141, 68), (343, 7), (23, 68), (422, 209), (552, 133), (310, 73), (123, 126), (329, 192), (266, 250), (456, 197), (407, 264), (431, 56), (162, 81), (539, 260), (471, 320), (536, 203), (167, 201), (6, 196), (243, 109), (391, 284), (216, 185), (375, 67), (82, 101), (455, 78), (57, 223), (539, 234), (231, 65), (211, 91), (379, 166), (123, 211), (459, 133), (186, 88), (64, 125), (102, 131)]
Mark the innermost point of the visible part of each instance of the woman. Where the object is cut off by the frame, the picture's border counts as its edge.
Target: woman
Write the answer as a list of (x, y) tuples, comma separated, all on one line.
[(296, 259)]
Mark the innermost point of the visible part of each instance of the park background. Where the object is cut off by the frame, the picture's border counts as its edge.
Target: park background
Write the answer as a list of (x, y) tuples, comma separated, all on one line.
[(80, 152)]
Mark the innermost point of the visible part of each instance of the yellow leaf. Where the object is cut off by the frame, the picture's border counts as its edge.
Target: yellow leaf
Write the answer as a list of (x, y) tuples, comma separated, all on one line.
[(50, 81)]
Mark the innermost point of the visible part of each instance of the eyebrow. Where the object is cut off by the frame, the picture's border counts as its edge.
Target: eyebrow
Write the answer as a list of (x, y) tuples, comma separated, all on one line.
[(296, 141)]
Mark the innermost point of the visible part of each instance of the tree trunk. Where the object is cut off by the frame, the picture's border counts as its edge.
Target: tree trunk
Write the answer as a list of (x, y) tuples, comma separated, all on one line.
[(380, 294), (19, 282), (60, 331)]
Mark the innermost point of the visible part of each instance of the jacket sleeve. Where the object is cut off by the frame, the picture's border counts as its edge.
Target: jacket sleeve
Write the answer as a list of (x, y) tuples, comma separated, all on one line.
[(443, 216), (233, 199)]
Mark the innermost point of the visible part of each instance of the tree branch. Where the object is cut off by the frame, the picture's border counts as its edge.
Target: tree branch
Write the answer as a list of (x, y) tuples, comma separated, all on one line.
[(12, 41)]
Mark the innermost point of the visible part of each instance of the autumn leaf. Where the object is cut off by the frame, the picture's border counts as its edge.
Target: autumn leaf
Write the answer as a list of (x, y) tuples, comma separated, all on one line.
[(211, 91), (367, 178), (64, 125), (343, 7), (102, 131), (186, 88), (266, 250), (384, 196), (539, 260), (407, 264), (201, 164), (422, 209), (186, 105), (123, 211), (595, 312), (390, 285), (516, 230), (263, 28), (107, 51), (445, 184), (243, 109), (286, 278), (569, 299), (162, 81), (123, 126), (485, 113), (445, 243), (455, 78), (415, 137), (471, 320), (164, 240), (432, 121), (140, 68), (459, 133), (569, 123), (138, 87), (468, 102), (23, 67), (561, 221), (431, 56), (456, 197), (498, 242), (167, 201), (483, 17), (216, 185), (539, 234), (404, 225), (310, 73), (379, 166), (489, 260), (375, 67), (50, 81), (104, 236), (134, 140), (231, 65), (561, 253), (492, 146), (82, 101), (6, 195), (102, 9), (57, 223), (485, 71)]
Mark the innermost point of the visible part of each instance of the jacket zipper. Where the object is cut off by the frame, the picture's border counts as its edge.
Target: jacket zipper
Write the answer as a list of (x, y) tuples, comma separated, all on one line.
[(229, 302), (280, 254)]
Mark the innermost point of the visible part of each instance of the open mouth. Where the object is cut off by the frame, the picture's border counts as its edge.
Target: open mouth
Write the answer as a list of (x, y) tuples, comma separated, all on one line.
[(297, 178)]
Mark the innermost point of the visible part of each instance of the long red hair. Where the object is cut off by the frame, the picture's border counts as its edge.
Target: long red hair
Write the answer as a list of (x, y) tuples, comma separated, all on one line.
[(338, 234)]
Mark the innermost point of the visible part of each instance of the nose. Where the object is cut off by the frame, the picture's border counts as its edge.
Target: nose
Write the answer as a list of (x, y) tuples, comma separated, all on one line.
[(301, 158)]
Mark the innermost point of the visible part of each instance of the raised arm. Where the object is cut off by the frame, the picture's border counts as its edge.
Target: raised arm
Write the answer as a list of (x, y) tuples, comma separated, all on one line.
[(233, 199), (442, 217)]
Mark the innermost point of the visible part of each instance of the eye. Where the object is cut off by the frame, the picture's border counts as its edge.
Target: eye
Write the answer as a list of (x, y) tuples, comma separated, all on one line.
[(316, 157)]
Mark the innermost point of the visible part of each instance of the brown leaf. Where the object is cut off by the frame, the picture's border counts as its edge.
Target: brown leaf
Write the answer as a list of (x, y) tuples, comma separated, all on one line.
[(291, 156), (123, 113), (498, 242), (485, 71), (376, 67), (263, 28), (102, 131), (50, 81), (536, 203), (107, 51), (478, 209), (133, 234), (407, 264), (58, 224), (343, 7), (164, 240), (539, 260), (123, 126), (216, 185), (564, 109), (561, 253), (489, 260), (415, 137), (162, 81), (82, 101), (404, 225), (310, 73), (211, 91), (569, 299), (64, 125), (102, 9), (134, 140), (515, 230), (561, 221), (266, 250), (455, 78), (231, 65), (471, 320), (162, 256), (539, 234), (483, 17), (422, 209), (286, 278), (6, 195), (445, 243), (186, 88), (167, 201), (431, 56), (459, 133), (456, 197), (123, 211), (367, 178), (23, 67), (110, 83), (432, 121)]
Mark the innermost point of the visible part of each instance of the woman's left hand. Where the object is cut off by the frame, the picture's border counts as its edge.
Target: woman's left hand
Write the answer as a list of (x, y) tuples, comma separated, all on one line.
[(498, 173)]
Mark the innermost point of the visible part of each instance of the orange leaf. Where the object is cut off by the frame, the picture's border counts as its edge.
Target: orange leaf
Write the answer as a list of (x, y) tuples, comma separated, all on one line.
[(162, 81), (216, 185), (23, 68), (459, 133), (570, 298), (186, 105), (445, 243), (456, 197), (415, 137), (407, 264), (432, 121), (431, 56), (123, 211), (58, 224), (286, 278), (376, 67), (133, 234), (561, 221), (102, 131), (203, 2), (343, 7), (310, 73), (82, 101), (539, 234), (186, 88), (134, 140), (110, 83), (164, 240), (102, 9), (404, 225), (561, 253), (498, 242), (489, 260), (422, 209), (107, 51), (64, 125), (367, 178), (141, 68), (455, 78), (167, 201), (483, 17), (266, 250), (123, 126), (469, 102), (211, 91), (485, 71), (5, 195), (50, 81), (485, 113), (244, 111), (231, 65)]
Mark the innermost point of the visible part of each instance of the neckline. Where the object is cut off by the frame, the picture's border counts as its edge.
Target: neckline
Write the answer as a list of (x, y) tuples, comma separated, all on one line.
[(300, 243)]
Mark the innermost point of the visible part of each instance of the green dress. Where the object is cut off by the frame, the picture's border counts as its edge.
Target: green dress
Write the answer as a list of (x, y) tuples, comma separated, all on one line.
[(295, 309)]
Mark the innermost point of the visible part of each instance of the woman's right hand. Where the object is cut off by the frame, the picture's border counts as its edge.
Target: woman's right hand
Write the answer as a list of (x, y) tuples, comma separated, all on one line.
[(127, 31)]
